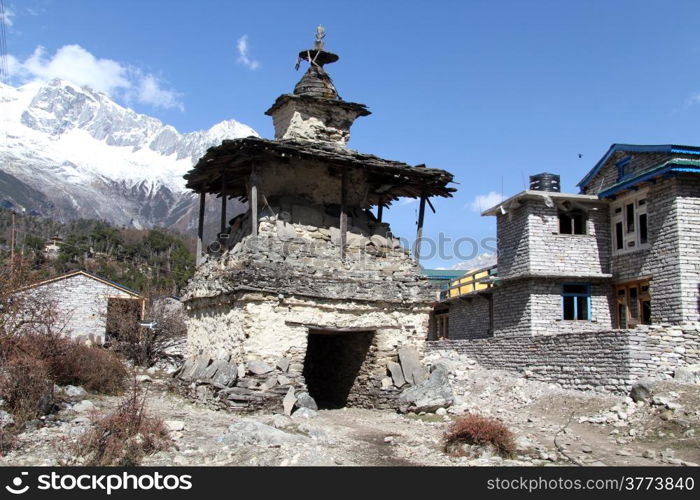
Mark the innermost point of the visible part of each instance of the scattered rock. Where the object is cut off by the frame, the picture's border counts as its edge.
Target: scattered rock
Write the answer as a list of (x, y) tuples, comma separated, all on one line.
[(83, 406), (282, 380), (175, 425), (283, 364), (143, 379), (251, 432), (258, 367), (413, 371), (304, 400), (396, 373), (428, 395), (6, 419), (688, 374), (289, 401), (642, 390), (304, 412), (74, 391), (387, 383)]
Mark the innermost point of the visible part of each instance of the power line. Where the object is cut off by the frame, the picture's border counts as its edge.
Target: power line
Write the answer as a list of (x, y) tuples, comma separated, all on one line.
[(4, 70)]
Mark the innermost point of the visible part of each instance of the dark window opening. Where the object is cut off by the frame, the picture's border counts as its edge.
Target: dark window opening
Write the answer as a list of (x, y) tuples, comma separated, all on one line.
[(633, 304), (619, 237), (630, 217), (576, 302), (572, 223), (642, 228), (333, 362)]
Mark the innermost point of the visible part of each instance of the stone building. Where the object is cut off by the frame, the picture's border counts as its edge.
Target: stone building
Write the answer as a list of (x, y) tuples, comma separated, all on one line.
[(611, 275), (86, 303), (309, 277)]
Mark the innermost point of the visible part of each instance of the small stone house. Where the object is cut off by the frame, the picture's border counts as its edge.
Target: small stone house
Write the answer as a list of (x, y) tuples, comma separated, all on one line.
[(88, 303), (610, 275)]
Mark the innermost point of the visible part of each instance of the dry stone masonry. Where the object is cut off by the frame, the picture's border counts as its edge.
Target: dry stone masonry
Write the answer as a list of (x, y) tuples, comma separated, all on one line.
[(309, 296)]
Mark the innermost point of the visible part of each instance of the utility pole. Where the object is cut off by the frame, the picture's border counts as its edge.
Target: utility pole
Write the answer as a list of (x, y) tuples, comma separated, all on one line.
[(12, 244)]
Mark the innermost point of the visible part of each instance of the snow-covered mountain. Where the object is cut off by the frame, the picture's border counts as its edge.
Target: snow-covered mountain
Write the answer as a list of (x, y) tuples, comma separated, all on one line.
[(478, 262), (68, 151)]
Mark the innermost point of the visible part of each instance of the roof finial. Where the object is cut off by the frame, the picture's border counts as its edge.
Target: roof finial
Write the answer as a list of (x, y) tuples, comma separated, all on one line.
[(320, 35)]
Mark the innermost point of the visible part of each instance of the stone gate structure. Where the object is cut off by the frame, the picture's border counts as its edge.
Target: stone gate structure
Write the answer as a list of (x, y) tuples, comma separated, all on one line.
[(309, 279)]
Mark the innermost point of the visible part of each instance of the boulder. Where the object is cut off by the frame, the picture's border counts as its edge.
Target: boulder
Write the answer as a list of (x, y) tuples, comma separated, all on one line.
[(687, 374), (74, 391), (193, 369), (642, 390), (387, 383), (258, 367), (413, 371), (221, 374), (83, 406), (396, 373), (304, 400), (428, 395)]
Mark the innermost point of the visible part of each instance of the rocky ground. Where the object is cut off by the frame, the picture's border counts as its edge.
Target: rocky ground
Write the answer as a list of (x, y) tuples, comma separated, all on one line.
[(552, 427)]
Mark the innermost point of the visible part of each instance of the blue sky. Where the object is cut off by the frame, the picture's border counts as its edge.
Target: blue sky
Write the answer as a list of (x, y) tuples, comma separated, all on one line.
[(492, 91)]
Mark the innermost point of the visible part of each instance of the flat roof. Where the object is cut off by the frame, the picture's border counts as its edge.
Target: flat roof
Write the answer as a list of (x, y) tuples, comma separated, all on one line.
[(533, 194)]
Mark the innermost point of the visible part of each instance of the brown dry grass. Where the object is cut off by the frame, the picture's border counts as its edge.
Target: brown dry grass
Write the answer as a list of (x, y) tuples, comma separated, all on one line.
[(477, 430), (124, 437)]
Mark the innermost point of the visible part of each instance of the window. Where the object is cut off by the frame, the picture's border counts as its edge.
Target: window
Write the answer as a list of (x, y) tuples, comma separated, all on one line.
[(623, 168), (633, 304), (630, 223), (573, 222), (576, 301)]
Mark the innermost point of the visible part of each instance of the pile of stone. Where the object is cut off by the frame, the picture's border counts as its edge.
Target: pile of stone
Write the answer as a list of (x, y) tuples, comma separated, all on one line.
[(421, 390), (253, 385)]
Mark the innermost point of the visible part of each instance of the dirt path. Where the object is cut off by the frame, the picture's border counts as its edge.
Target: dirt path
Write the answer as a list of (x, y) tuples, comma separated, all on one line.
[(602, 429)]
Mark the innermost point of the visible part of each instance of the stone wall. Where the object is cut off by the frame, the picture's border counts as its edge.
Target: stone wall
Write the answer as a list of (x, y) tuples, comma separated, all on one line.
[(82, 302), (672, 259), (470, 317), (609, 360), (529, 243)]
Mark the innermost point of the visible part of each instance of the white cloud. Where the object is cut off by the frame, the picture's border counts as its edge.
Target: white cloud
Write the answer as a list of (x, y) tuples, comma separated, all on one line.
[(485, 201), (7, 16), (407, 201), (77, 65), (150, 92), (243, 56)]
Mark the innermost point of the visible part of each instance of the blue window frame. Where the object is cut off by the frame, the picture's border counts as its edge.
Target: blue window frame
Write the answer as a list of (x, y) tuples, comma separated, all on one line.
[(623, 168), (576, 301)]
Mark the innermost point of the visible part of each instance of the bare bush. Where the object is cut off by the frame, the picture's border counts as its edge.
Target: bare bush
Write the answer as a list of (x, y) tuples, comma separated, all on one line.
[(477, 430), (123, 437), (147, 345), (26, 387)]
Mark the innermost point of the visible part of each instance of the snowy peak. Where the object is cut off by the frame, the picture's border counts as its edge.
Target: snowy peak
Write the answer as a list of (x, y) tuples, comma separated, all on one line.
[(82, 150)]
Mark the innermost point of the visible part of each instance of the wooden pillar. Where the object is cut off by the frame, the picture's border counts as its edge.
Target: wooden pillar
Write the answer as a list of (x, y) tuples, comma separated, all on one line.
[(380, 209), (419, 232), (200, 228), (253, 200), (223, 203), (343, 216)]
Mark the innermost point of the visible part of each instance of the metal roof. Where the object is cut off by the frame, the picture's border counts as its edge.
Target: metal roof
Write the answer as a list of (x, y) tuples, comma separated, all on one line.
[(636, 148)]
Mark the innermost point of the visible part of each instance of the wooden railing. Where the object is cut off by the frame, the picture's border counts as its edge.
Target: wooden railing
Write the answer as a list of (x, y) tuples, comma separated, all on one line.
[(473, 281)]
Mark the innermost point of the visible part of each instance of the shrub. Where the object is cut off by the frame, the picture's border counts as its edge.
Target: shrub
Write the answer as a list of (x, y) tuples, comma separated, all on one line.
[(474, 429), (123, 437), (26, 386), (70, 362)]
